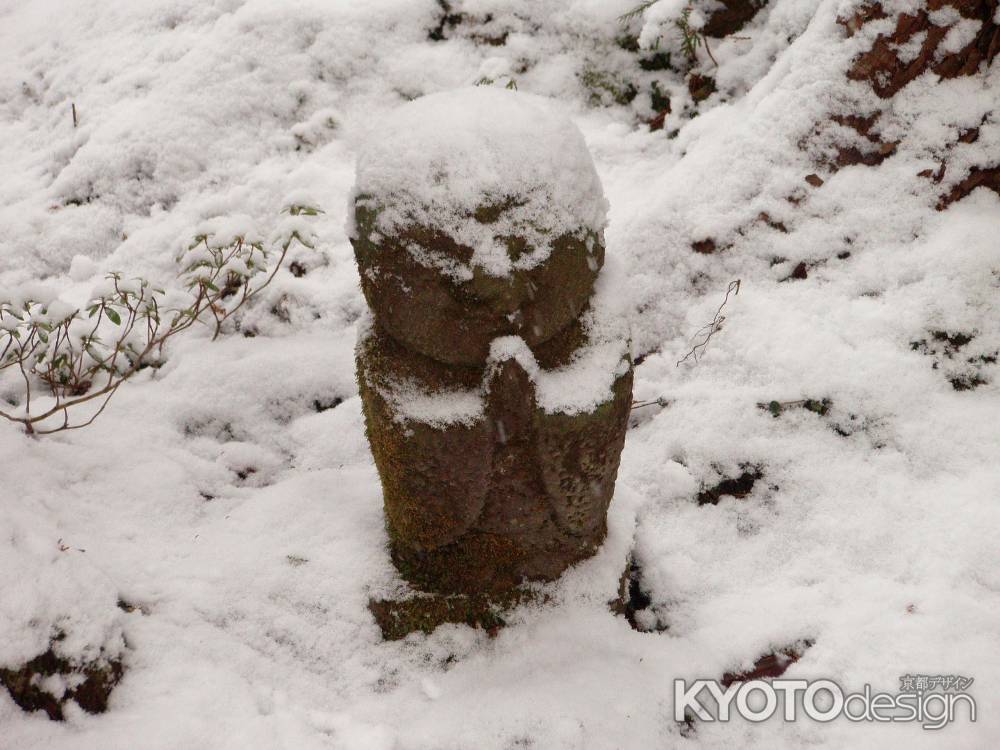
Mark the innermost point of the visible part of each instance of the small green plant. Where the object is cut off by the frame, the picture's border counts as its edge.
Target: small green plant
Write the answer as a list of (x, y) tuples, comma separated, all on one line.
[(65, 357), (220, 273), (637, 11), (691, 38), (606, 88), (817, 406), (487, 81)]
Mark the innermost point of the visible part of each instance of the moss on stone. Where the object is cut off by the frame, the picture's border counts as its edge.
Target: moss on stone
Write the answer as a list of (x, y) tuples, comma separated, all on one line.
[(454, 321), (520, 494), (397, 618)]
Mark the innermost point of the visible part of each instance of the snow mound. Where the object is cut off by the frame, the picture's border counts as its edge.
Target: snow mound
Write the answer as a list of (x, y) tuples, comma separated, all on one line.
[(507, 159), (52, 595)]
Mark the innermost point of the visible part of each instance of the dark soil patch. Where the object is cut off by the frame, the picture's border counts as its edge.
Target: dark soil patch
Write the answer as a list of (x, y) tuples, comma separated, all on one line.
[(731, 17), (770, 665), (777, 408), (447, 20), (738, 487), (701, 87), (964, 373), (99, 678), (881, 66), (987, 177), (799, 273), (633, 598), (325, 404)]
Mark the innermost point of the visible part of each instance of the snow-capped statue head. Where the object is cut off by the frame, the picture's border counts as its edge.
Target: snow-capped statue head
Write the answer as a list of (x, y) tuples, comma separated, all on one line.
[(476, 213)]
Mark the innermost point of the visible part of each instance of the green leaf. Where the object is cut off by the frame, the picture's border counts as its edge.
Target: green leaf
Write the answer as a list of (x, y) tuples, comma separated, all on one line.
[(113, 316), (299, 210), (819, 407)]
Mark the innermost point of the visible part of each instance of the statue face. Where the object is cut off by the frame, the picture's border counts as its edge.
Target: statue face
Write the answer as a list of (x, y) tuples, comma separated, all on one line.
[(429, 293)]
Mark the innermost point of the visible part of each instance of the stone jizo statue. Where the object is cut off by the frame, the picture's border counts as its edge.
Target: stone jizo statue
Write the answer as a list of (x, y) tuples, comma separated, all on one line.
[(495, 370)]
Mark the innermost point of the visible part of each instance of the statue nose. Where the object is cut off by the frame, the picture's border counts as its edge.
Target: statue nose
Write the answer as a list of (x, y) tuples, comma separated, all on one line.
[(503, 295)]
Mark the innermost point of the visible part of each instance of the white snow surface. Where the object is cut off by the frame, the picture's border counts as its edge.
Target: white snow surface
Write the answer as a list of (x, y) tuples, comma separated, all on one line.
[(439, 158), (230, 495)]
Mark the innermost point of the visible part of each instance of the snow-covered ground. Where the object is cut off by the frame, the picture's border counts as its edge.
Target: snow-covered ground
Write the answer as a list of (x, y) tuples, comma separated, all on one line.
[(229, 497)]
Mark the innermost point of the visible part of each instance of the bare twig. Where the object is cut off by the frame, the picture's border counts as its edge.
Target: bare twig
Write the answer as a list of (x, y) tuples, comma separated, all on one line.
[(704, 40), (652, 402), (710, 329)]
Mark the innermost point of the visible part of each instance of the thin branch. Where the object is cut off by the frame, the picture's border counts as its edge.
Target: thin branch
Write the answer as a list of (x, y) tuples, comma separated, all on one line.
[(636, 11), (71, 364), (67, 426), (704, 41), (652, 402), (710, 329)]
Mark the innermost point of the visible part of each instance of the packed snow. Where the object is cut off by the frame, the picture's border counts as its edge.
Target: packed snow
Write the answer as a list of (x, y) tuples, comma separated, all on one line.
[(220, 525)]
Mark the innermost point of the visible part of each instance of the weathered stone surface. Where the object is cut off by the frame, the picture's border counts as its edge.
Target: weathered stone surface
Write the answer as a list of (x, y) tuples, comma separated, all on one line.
[(455, 321), (495, 372), (397, 618), (516, 494)]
